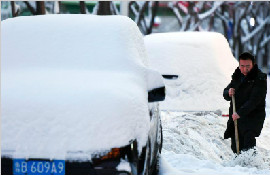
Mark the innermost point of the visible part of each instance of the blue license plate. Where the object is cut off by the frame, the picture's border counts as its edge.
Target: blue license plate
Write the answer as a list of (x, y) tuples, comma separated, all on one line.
[(38, 167)]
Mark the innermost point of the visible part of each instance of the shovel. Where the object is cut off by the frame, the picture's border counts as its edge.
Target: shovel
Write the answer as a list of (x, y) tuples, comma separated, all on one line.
[(235, 127)]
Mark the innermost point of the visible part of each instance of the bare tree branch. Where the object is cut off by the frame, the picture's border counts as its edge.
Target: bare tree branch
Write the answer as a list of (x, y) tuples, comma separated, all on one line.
[(32, 10), (211, 11), (254, 32), (82, 7), (15, 11), (153, 15), (40, 8), (104, 8)]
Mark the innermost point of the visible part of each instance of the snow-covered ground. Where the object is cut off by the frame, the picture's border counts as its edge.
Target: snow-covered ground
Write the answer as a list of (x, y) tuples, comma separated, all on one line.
[(194, 144)]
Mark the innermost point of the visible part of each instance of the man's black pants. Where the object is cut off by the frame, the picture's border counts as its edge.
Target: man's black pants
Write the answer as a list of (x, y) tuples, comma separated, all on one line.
[(246, 141)]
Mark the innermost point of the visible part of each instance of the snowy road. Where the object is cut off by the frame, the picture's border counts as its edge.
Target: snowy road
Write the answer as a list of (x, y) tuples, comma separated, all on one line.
[(193, 144)]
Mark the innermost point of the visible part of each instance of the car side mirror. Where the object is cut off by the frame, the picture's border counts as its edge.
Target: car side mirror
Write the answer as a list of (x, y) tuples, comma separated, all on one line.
[(155, 86), (171, 77), (157, 94)]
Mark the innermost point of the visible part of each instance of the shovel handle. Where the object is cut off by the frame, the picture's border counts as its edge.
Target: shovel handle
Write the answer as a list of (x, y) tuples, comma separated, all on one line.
[(235, 127)]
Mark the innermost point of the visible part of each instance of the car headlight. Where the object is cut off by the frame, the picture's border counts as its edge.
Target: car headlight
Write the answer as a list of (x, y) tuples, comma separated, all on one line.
[(115, 153)]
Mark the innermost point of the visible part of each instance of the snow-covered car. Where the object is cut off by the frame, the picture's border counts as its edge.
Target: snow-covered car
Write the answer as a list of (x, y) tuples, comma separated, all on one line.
[(78, 97), (199, 65)]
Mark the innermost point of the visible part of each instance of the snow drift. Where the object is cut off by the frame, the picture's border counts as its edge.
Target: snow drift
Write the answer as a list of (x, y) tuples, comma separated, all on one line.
[(194, 144)]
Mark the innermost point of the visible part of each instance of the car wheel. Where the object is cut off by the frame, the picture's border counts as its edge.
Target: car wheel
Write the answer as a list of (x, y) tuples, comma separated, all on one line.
[(144, 161), (159, 147), (161, 139), (147, 167), (157, 165)]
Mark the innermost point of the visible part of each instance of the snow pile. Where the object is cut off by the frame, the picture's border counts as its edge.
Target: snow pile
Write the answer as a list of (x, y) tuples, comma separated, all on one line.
[(204, 63), (193, 144), (198, 133), (250, 159), (124, 166), (72, 83)]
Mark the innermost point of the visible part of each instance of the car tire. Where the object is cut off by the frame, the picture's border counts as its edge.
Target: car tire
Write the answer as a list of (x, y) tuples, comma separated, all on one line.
[(156, 166), (161, 142), (144, 160), (147, 164)]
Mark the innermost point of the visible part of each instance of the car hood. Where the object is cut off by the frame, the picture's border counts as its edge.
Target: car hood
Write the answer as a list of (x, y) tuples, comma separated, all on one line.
[(50, 113)]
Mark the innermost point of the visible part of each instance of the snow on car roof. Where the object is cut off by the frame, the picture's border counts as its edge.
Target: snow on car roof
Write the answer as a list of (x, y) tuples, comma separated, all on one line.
[(69, 41), (72, 83), (204, 63)]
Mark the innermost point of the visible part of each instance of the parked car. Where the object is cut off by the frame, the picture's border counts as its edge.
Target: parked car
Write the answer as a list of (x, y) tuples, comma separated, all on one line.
[(78, 97), (191, 62)]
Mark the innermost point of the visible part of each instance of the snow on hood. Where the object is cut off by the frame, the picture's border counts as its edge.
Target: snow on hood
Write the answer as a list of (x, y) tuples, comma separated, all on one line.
[(204, 63), (72, 83), (77, 111)]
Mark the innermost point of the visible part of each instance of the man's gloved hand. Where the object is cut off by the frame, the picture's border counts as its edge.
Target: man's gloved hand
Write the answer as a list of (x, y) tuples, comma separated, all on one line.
[(231, 92), (235, 116)]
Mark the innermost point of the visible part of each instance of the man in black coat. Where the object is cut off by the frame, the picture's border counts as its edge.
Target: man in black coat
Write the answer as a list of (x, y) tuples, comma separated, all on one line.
[(249, 86)]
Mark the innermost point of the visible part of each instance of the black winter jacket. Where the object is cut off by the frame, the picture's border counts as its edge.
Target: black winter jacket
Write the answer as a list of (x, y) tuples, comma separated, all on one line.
[(249, 101)]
